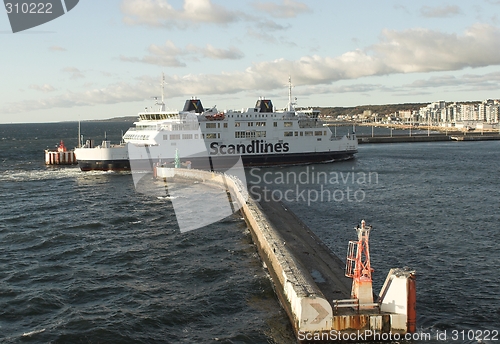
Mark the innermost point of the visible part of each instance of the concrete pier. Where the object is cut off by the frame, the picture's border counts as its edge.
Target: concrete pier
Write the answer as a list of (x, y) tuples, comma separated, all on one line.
[(321, 268), (404, 138), (309, 279), (425, 138), (325, 268)]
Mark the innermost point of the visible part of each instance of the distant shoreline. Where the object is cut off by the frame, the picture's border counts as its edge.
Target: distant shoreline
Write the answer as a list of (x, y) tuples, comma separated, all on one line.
[(114, 119), (129, 119)]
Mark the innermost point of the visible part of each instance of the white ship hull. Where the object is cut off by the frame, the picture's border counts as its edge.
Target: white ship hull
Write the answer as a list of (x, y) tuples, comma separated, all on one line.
[(116, 158)]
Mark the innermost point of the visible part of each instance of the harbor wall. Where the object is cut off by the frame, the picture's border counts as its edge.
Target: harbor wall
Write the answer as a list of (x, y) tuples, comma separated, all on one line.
[(301, 298), (298, 292), (309, 311), (425, 138), (401, 138)]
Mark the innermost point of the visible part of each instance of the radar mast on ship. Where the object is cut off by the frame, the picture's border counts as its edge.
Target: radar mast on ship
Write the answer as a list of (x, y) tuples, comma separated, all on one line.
[(162, 103), (290, 102)]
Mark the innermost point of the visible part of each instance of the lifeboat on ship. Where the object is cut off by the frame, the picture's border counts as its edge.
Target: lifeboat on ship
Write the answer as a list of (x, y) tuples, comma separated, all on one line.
[(215, 117)]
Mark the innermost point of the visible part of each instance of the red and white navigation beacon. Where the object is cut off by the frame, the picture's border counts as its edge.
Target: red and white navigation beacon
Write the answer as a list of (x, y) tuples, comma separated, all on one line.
[(358, 266)]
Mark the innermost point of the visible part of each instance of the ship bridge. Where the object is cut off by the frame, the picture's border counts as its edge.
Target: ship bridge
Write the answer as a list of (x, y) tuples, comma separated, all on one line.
[(157, 116)]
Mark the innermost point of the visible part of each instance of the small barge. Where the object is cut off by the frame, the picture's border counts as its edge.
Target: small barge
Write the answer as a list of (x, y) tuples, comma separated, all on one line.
[(60, 156)]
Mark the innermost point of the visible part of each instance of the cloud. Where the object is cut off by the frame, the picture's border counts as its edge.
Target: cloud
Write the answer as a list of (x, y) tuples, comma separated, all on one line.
[(408, 51), (287, 9), (56, 48), (169, 54), (160, 13), (332, 89), (44, 88), (440, 11), (159, 60), (251, 79), (75, 72), (423, 50), (114, 93), (221, 54), (262, 36), (267, 25), (476, 81), (165, 55)]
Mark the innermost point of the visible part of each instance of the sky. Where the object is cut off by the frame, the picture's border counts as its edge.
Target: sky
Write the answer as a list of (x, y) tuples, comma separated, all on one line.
[(105, 59)]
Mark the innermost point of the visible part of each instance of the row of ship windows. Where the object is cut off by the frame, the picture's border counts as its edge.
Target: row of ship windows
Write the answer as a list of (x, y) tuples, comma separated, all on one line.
[(305, 133), (136, 137), (249, 134), (183, 136), (251, 116), (214, 125), (191, 136), (249, 124), (241, 135)]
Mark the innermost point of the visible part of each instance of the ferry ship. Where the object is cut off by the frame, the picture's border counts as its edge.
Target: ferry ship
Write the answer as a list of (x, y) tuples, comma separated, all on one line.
[(209, 139)]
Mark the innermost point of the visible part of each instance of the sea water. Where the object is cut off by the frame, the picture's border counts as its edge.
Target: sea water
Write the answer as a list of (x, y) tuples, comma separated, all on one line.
[(86, 258)]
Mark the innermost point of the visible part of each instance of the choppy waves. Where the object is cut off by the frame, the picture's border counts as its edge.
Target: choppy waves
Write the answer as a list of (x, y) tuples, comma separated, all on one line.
[(86, 258), (98, 262)]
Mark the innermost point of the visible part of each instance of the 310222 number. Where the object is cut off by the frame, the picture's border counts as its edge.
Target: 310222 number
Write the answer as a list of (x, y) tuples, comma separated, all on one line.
[(33, 8), (480, 335)]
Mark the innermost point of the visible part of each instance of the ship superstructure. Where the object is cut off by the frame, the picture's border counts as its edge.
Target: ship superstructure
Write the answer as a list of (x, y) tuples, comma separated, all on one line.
[(261, 136)]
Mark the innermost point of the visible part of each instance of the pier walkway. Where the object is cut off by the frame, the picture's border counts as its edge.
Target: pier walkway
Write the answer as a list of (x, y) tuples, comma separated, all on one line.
[(326, 269)]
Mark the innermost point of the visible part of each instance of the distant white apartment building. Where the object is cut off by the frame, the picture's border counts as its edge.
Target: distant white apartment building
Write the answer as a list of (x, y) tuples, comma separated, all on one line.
[(493, 114), (442, 113), (450, 113), (432, 112), (407, 116), (468, 112), (488, 111)]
